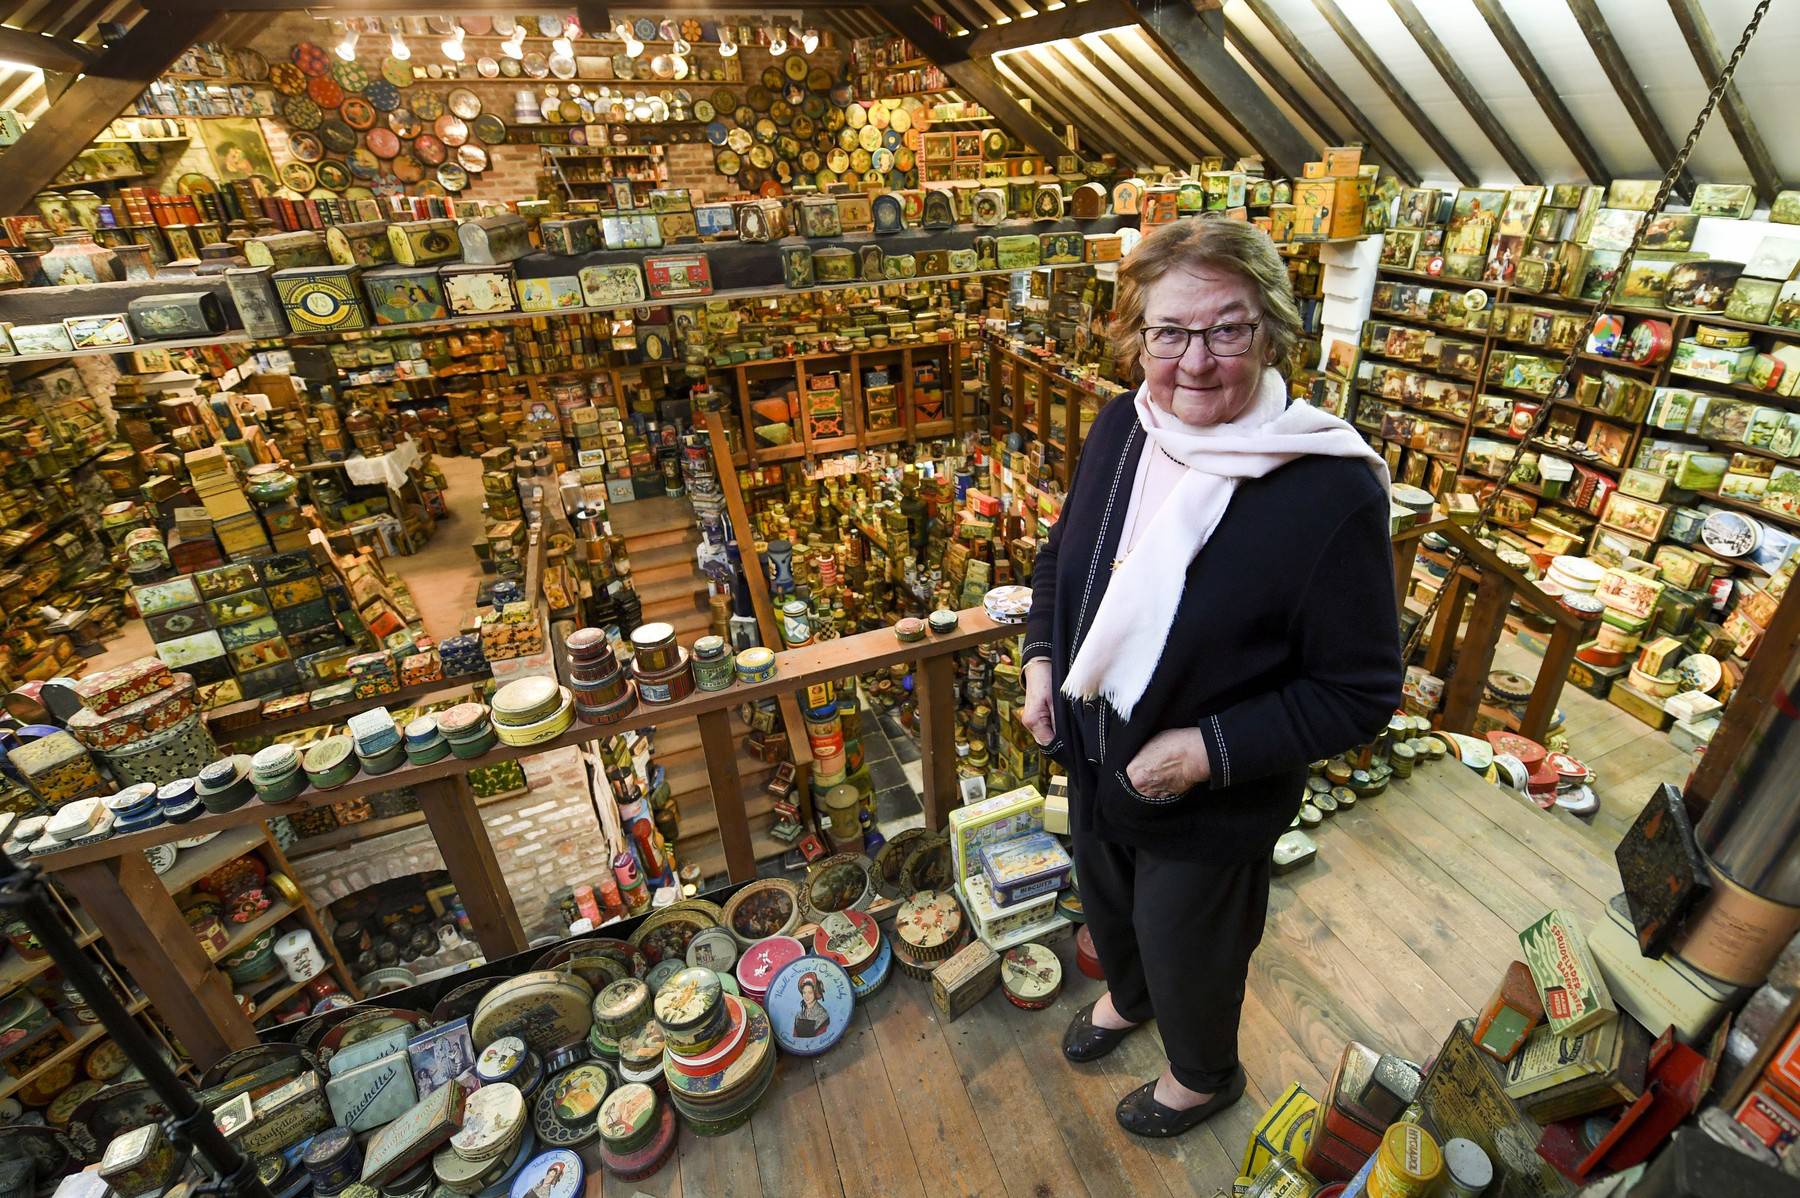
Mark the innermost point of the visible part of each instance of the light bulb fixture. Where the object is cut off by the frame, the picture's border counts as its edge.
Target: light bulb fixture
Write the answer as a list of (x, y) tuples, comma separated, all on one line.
[(809, 41), (452, 46), (633, 48), (777, 43), (346, 46), (514, 46), (397, 44), (727, 47), (681, 46), (563, 46)]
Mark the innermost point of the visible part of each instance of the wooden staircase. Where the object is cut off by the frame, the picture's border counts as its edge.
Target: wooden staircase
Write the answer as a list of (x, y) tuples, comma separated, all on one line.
[(660, 535)]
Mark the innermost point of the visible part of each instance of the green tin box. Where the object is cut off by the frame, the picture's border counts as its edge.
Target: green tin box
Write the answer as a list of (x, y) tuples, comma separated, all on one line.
[(1057, 249)]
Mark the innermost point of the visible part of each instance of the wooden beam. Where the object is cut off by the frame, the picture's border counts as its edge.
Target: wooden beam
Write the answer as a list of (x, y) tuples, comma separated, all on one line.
[(1459, 85), (1115, 106), (720, 746), (935, 680), (1090, 126), (110, 84), (1555, 111), (1698, 33), (146, 932), (462, 840), (45, 53), (1140, 87), (1277, 83), (1072, 20), (970, 78), (1195, 41), (1321, 79), (1626, 87), (1391, 88)]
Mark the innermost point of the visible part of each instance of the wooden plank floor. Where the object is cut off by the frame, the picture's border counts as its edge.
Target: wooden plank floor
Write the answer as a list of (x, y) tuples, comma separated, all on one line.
[(1400, 927)]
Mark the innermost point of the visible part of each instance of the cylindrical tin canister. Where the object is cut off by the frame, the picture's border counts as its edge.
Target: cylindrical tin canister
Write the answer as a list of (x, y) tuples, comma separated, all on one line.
[(669, 685), (654, 648), (1735, 934), (1751, 829)]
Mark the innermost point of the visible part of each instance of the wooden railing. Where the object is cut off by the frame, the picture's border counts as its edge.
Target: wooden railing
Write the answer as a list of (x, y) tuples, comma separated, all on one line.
[(115, 884), (1463, 655)]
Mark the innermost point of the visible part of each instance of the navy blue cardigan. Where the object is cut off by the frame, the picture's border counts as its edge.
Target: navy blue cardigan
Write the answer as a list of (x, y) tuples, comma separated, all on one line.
[(1285, 647)]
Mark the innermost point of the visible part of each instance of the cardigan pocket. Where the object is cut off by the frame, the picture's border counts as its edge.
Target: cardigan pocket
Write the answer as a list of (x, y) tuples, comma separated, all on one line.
[(1153, 800)]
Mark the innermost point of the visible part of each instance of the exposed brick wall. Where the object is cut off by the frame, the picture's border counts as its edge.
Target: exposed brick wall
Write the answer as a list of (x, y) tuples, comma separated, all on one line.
[(545, 841)]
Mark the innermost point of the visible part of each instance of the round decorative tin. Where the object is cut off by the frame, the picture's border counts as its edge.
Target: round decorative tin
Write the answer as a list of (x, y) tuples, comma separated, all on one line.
[(565, 1113), (465, 721), (654, 648), (491, 1119), (718, 1056), (687, 1003), (548, 728), (662, 971), (558, 1173), (763, 908), (652, 1155), (332, 1159), (667, 686), (841, 882), (756, 664), (628, 1118), (545, 1008), (330, 762), (909, 629), (715, 949), (851, 938), (928, 924), (714, 667), (526, 701), (763, 960), (623, 1007), (810, 1003), (501, 1061), (942, 621), (1030, 976)]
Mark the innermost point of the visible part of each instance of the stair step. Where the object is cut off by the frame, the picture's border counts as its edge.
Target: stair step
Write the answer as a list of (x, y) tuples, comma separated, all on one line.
[(683, 587), (651, 517), (636, 543)]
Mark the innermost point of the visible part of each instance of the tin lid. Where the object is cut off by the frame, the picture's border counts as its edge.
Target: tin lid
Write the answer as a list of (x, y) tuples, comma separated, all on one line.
[(526, 700), (492, 1117), (1031, 973), (756, 659), (329, 1149), (713, 948), (587, 643), (709, 648), (689, 999), (131, 1149), (463, 720), (274, 762), (129, 799), (565, 1112), (851, 938), (328, 754), (1468, 1166), (622, 1005), (760, 962), (501, 1060), (643, 1049), (545, 1008), (558, 1173), (929, 919), (628, 1114), (227, 771), (652, 636), (422, 731), (1409, 1150)]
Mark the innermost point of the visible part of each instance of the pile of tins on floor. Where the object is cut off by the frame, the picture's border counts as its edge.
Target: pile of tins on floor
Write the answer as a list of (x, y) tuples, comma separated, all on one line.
[(595, 1056)]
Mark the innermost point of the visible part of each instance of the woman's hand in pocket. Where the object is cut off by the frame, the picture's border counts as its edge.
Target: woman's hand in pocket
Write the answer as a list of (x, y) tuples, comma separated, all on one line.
[(1169, 763)]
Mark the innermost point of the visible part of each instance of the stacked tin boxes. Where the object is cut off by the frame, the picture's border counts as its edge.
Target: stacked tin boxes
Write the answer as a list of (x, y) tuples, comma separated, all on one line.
[(1008, 869), (235, 522)]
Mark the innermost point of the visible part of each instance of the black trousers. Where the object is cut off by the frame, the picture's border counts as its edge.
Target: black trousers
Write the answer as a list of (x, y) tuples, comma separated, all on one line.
[(1174, 940)]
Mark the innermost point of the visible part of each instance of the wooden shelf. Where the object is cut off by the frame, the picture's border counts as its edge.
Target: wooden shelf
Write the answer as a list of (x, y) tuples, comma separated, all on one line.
[(359, 833), (268, 1006), (1750, 507), (195, 863), (242, 934), (1743, 562), (16, 970), (86, 1039), (238, 338)]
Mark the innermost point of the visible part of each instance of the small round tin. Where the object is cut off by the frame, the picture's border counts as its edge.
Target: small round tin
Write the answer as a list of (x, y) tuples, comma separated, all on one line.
[(332, 1159), (851, 938), (1030, 976), (429, 752), (942, 621), (422, 731), (544, 728), (225, 784), (622, 1007), (909, 629), (756, 664), (330, 762), (500, 1061), (667, 686), (526, 701), (492, 1117), (565, 1114), (653, 648), (628, 1118), (558, 1173), (762, 960), (384, 762), (687, 1005), (714, 667), (714, 949)]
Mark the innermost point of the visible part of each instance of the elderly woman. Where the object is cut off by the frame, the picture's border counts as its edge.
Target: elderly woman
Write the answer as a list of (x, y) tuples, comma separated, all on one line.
[(1214, 610)]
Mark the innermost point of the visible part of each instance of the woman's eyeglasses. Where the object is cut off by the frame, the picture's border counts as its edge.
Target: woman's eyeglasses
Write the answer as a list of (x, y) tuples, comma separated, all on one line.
[(1226, 340)]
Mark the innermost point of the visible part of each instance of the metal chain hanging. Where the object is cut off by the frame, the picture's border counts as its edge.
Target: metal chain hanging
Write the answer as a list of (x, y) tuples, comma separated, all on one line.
[(1561, 388)]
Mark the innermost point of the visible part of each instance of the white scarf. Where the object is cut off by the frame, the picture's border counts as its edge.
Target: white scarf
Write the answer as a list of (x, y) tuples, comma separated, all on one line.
[(1125, 641)]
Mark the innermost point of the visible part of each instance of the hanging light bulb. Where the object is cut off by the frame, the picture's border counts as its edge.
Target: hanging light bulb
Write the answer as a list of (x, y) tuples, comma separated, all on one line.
[(777, 43), (682, 46), (809, 41), (562, 46), (452, 46), (346, 46), (397, 44), (727, 47)]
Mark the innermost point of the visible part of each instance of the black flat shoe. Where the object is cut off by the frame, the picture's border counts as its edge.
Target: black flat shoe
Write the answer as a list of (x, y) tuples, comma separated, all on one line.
[(1087, 1041), (1140, 1114)]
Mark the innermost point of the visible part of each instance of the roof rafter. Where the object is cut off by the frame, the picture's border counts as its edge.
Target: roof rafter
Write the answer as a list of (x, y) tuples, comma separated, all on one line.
[(1625, 85), (1697, 32), (1555, 111), (1474, 105)]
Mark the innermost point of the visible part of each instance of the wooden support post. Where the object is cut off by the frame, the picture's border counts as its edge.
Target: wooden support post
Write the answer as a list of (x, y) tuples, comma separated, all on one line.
[(1405, 553), (450, 810), (722, 775), (935, 682), (1487, 620), (1760, 690), (1550, 678), (1442, 649), (146, 931)]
